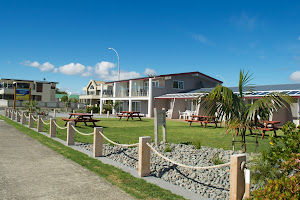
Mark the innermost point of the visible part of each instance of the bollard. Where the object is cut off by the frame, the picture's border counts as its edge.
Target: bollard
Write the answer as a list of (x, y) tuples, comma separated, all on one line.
[(247, 183), (6, 112), (144, 156), (70, 133), (30, 123), (39, 124), (54, 113), (13, 114), (237, 178), (107, 114), (52, 132), (98, 142), (91, 112), (18, 116), (23, 118)]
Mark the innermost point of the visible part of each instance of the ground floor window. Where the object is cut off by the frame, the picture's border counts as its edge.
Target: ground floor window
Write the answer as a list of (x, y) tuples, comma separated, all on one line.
[(136, 106)]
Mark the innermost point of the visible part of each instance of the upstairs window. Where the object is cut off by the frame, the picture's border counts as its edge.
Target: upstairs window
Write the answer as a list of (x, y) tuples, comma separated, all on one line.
[(39, 87), (155, 83), (92, 87), (178, 85)]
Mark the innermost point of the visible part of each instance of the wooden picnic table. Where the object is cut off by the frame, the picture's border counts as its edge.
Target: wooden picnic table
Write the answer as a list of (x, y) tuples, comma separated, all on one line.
[(129, 114), (80, 117), (268, 126), (202, 119)]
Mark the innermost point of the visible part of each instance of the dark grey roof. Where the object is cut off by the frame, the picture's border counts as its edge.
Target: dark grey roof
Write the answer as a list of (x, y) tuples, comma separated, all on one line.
[(279, 87), (46, 82)]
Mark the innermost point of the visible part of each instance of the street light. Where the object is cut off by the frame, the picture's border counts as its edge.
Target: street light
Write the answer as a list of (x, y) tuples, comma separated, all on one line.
[(223, 79), (118, 63)]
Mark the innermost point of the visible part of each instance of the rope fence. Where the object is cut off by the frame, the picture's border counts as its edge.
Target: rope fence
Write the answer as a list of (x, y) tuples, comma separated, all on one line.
[(122, 145), (182, 165), (81, 132), (35, 119), (45, 122), (59, 126)]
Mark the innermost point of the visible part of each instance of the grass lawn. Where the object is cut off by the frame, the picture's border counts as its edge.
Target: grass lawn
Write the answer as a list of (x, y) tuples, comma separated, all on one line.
[(127, 132)]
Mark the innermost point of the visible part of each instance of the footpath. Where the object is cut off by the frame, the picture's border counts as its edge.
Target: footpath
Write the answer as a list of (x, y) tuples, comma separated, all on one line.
[(30, 170)]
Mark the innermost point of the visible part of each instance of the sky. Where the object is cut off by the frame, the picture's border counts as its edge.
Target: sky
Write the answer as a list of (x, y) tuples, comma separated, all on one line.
[(67, 41)]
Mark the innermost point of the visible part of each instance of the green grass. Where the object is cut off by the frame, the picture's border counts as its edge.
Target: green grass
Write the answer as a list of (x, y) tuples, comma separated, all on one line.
[(134, 186), (128, 132)]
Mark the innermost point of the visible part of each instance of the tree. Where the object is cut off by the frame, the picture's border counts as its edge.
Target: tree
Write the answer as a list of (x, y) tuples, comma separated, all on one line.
[(31, 106), (60, 92), (238, 115), (64, 99)]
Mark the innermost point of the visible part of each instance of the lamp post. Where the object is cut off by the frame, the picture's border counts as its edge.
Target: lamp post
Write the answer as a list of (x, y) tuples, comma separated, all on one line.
[(118, 63), (223, 80)]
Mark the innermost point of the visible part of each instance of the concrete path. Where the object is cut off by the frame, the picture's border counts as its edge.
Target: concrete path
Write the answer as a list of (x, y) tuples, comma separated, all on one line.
[(30, 170)]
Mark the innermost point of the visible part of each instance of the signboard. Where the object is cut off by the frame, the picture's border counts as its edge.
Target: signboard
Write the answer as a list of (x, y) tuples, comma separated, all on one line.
[(22, 94), (161, 117)]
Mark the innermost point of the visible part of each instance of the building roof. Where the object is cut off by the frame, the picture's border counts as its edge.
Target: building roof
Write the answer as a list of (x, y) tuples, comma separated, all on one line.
[(142, 78), (254, 91), (11, 79), (59, 96)]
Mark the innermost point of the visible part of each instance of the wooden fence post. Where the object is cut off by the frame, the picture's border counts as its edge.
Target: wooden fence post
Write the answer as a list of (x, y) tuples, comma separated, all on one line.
[(52, 131), (13, 114), (18, 116), (9, 113), (70, 133), (6, 112), (144, 156), (39, 124), (237, 179), (98, 142), (23, 118), (247, 183), (30, 123)]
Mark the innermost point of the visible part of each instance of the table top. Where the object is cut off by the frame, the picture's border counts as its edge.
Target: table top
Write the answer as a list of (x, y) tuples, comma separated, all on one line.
[(271, 122), (129, 112), (80, 114), (203, 116)]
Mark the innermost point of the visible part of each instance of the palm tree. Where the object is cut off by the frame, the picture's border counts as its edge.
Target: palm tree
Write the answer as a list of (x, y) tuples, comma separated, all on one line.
[(239, 115), (31, 106)]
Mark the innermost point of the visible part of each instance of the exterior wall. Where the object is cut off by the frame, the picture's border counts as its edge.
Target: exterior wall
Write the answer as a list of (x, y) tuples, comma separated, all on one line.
[(180, 105), (284, 115)]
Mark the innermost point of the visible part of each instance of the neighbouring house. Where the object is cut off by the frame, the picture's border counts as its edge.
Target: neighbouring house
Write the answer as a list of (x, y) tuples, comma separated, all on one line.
[(93, 91), (40, 90), (138, 94), (188, 100)]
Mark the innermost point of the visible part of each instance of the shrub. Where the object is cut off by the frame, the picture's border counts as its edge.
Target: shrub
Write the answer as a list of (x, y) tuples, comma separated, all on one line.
[(217, 160), (168, 148), (93, 108), (197, 143)]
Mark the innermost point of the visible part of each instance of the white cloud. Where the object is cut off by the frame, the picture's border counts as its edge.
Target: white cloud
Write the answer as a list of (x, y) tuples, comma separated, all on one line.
[(46, 67), (299, 38), (89, 72), (72, 69), (123, 75), (295, 76), (200, 38), (55, 70), (149, 71), (103, 69), (244, 21)]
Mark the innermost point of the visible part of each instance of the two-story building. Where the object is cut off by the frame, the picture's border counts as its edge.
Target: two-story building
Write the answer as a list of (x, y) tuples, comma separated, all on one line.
[(138, 94), (92, 92), (40, 90)]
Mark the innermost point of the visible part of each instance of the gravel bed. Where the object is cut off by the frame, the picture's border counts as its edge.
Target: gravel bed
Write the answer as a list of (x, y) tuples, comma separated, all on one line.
[(211, 183)]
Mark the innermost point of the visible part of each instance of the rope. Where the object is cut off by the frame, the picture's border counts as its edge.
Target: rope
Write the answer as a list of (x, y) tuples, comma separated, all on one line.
[(122, 145), (81, 132), (45, 122), (34, 118), (59, 126), (187, 166)]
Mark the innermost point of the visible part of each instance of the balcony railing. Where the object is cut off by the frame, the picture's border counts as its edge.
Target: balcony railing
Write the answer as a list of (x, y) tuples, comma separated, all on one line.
[(140, 91), (108, 93), (122, 92)]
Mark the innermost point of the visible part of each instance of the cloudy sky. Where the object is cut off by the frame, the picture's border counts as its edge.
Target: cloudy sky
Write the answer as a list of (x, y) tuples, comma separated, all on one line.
[(68, 41)]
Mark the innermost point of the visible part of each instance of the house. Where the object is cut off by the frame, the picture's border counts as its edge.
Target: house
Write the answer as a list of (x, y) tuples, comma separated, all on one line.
[(188, 100), (92, 92), (40, 90), (138, 94)]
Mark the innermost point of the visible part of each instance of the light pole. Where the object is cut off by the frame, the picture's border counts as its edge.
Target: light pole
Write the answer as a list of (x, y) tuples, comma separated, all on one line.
[(118, 63), (223, 79)]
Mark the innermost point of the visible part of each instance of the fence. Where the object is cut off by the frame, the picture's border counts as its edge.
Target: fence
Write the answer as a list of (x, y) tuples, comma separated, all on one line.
[(239, 176)]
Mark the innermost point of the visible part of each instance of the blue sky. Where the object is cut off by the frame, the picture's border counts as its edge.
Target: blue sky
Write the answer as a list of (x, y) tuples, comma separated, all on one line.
[(68, 41)]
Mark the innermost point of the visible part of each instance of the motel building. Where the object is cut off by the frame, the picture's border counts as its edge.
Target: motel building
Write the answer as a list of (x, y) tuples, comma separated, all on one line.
[(139, 94)]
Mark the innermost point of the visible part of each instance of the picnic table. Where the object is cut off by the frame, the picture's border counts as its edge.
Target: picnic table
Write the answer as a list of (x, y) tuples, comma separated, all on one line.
[(268, 126), (80, 117), (202, 119), (129, 114)]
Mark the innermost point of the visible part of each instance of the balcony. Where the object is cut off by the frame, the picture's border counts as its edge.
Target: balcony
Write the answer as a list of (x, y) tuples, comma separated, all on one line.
[(140, 91), (108, 93), (122, 92)]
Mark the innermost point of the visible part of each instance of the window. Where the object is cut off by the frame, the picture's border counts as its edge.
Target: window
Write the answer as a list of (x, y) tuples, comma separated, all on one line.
[(39, 87), (155, 83), (92, 93), (178, 85), (136, 106), (92, 87)]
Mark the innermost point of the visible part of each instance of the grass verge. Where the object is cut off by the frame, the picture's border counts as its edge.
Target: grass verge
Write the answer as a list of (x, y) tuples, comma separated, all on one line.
[(136, 187)]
